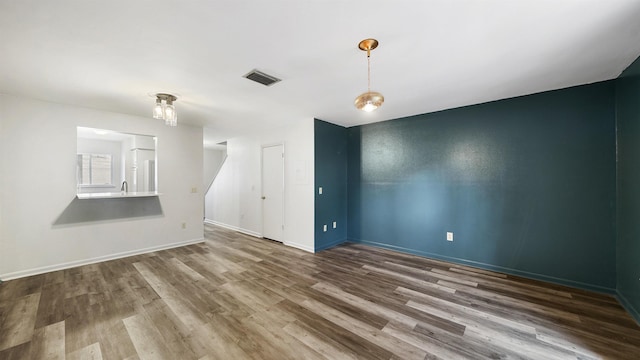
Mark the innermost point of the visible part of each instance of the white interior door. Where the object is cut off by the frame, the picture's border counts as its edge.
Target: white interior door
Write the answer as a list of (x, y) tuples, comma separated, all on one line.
[(273, 192)]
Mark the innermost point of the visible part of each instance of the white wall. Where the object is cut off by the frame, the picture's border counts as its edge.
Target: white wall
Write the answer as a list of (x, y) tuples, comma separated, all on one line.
[(212, 160), (32, 198), (234, 198)]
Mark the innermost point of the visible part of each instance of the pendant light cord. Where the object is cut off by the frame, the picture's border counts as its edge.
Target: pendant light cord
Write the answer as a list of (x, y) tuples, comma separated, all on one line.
[(368, 70)]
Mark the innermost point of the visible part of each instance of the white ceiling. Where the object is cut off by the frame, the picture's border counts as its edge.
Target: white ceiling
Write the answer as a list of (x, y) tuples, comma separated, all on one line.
[(433, 54)]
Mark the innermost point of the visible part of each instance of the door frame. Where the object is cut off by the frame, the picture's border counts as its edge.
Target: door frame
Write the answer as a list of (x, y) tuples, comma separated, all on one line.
[(262, 147)]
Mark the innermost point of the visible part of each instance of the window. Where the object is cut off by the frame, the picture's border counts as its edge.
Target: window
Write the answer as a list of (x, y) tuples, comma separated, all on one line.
[(94, 169)]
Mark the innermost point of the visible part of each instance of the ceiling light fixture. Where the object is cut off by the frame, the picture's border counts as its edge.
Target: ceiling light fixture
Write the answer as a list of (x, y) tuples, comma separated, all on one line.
[(370, 100), (165, 110)]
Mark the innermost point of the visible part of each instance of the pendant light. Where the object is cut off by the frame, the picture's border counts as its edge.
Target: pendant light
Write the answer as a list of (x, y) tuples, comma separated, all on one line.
[(370, 100), (165, 110)]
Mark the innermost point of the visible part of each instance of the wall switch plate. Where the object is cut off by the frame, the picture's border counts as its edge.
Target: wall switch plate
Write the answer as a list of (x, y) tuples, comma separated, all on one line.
[(324, 228), (194, 190), (335, 225), (449, 236), (184, 225), (320, 190)]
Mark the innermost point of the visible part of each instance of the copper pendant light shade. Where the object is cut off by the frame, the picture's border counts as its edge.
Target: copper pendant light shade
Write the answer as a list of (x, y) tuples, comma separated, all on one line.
[(369, 101)]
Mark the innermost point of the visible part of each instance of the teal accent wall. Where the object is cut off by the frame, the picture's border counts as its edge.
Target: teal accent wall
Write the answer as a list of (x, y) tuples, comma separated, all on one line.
[(331, 174), (628, 187), (526, 184)]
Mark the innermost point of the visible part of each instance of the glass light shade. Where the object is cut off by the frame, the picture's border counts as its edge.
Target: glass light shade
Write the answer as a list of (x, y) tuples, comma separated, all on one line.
[(169, 114), (158, 112), (369, 101), (172, 121)]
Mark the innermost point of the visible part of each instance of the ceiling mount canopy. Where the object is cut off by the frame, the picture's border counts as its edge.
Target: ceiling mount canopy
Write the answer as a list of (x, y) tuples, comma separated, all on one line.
[(165, 110), (369, 100)]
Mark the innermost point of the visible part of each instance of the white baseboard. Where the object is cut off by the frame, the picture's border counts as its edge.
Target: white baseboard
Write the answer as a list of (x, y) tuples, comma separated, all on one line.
[(72, 264), (253, 233), (234, 228), (300, 246)]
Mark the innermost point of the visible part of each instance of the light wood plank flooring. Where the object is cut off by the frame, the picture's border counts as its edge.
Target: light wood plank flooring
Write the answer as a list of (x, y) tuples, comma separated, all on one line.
[(237, 297)]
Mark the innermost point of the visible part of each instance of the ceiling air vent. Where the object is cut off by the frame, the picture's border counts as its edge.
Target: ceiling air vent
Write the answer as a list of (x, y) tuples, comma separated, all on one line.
[(261, 77)]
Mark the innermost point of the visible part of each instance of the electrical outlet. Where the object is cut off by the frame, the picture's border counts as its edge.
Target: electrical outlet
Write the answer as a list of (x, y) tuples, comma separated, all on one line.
[(449, 236), (194, 190), (335, 225), (324, 228), (184, 225)]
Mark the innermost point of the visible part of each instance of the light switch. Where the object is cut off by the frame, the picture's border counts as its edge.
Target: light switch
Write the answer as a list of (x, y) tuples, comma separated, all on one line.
[(324, 228), (320, 190), (335, 224)]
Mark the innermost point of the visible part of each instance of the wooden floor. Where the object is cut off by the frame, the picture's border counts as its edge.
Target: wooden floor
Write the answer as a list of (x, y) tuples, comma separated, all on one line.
[(236, 297)]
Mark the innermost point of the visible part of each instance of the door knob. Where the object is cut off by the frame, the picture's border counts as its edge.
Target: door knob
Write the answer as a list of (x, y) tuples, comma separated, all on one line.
[(263, 198)]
